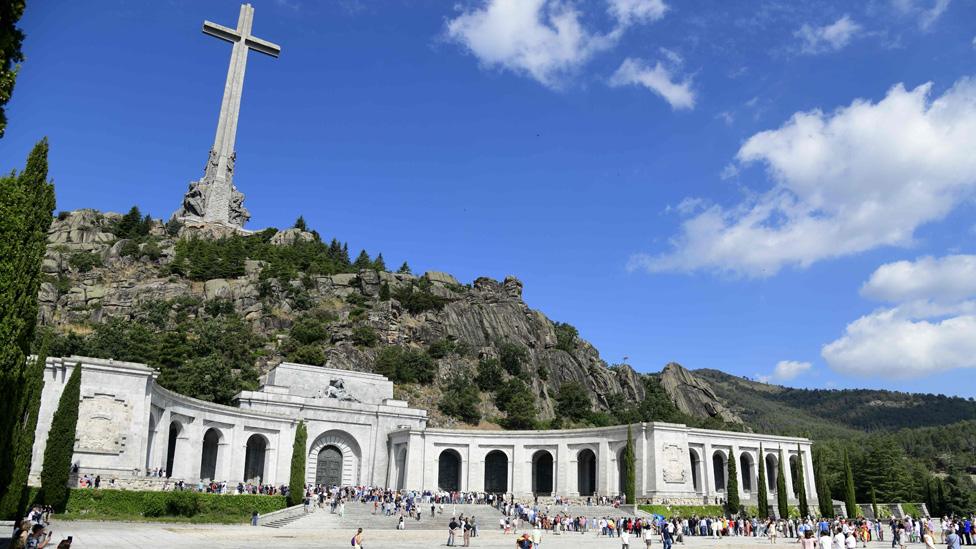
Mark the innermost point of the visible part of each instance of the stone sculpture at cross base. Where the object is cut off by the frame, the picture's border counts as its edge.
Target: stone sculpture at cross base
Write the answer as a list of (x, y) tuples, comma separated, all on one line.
[(214, 199)]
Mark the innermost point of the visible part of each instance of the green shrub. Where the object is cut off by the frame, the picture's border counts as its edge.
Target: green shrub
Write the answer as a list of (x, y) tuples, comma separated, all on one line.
[(668, 511), (307, 331), (364, 336), (461, 399), (447, 346), (105, 504), (573, 401), (512, 356), (402, 365), (416, 298), (307, 354), (566, 336), (84, 261), (489, 376)]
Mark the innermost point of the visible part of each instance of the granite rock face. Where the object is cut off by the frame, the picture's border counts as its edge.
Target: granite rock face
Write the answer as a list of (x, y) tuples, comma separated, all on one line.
[(479, 315), (693, 396)]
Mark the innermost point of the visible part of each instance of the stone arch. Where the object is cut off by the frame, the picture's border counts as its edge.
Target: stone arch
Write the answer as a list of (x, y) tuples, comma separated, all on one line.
[(720, 468), (746, 468), (586, 472), (346, 445), (210, 453), (543, 473), (449, 470), (151, 440), (695, 469), (772, 469), (255, 452), (328, 466), (172, 445), (496, 472), (793, 472)]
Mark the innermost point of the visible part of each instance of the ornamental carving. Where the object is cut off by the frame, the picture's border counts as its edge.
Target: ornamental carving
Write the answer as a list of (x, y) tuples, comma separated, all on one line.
[(103, 421), (674, 470)]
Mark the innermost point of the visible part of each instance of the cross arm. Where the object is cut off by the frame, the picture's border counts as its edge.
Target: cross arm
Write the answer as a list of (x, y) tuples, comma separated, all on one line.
[(220, 31), (262, 46)]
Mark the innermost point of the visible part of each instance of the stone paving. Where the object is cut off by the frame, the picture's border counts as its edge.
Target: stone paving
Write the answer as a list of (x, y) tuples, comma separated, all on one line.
[(308, 533)]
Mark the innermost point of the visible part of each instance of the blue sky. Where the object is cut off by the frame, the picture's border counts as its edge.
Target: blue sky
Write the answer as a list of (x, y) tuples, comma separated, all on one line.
[(775, 189)]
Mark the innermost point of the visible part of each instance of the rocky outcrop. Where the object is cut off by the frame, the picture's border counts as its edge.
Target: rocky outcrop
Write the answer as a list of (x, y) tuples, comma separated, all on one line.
[(693, 396), (479, 316)]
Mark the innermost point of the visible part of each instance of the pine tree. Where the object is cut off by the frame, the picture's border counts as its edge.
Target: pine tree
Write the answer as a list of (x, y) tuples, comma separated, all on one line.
[(630, 473), (296, 482), (824, 498), (732, 505), (61, 444), (26, 205), (404, 269), (781, 502), (363, 261), (379, 264), (801, 485), (874, 503), (763, 496), (300, 224), (850, 501)]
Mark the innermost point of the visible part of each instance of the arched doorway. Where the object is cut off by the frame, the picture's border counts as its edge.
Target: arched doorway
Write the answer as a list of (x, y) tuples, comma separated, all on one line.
[(718, 466), (175, 430), (208, 457), (496, 472), (586, 472), (542, 473), (695, 470), (621, 475), (793, 472), (328, 467), (348, 448), (257, 447), (745, 466), (449, 471), (772, 469)]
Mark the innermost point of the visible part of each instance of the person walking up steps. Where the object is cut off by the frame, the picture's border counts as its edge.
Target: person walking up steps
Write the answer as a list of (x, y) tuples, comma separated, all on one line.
[(357, 540)]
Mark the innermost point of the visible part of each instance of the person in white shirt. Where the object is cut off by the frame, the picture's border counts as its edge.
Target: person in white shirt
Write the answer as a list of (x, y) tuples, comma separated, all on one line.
[(851, 541), (839, 540), (825, 540), (624, 539)]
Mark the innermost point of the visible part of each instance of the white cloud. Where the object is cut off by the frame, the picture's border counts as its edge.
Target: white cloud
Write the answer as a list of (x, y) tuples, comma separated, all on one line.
[(832, 37), (926, 11), (931, 328), (790, 369), (658, 79), (631, 11), (942, 280), (864, 176), (544, 39), (541, 38)]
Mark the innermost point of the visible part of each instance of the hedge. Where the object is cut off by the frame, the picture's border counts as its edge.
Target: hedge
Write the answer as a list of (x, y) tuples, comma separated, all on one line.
[(669, 511), (175, 506)]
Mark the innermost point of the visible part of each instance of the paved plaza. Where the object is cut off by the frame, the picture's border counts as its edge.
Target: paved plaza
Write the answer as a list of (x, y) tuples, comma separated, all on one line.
[(105, 535)]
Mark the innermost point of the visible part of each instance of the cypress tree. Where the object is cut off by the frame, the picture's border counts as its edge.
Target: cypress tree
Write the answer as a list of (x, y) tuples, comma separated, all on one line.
[(630, 460), (850, 501), (763, 497), (929, 496), (781, 504), (61, 444), (10, 54), (874, 503), (801, 485), (296, 483), (26, 204), (731, 486), (824, 498), (940, 497)]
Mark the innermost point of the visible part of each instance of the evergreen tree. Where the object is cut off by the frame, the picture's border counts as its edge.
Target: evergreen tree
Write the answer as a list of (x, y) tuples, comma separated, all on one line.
[(385, 292), (379, 264), (11, 39), (874, 503), (26, 205), (763, 496), (929, 497), (363, 261), (404, 269), (300, 224), (61, 444), (630, 470), (940, 498), (296, 481), (824, 499), (781, 502), (345, 254), (850, 501), (801, 485), (732, 505)]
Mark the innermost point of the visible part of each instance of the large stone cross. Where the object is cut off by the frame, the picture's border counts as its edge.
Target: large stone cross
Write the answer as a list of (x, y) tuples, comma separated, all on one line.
[(214, 198)]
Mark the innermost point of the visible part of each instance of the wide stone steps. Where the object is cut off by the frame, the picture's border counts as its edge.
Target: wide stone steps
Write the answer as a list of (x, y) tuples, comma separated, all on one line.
[(360, 515)]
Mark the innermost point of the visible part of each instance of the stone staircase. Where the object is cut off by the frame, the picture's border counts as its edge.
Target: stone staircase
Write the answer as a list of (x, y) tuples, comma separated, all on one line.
[(360, 515)]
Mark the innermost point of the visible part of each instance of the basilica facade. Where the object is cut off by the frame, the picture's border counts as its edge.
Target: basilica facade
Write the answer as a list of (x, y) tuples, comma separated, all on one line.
[(129, 427)]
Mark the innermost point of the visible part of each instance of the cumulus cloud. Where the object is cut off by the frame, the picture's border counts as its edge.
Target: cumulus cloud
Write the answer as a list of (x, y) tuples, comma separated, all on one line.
[(658, 79), (628, 12), (931, 328), (832, 37), (863, 176), (789, 369), (926, 11), (544, 39)]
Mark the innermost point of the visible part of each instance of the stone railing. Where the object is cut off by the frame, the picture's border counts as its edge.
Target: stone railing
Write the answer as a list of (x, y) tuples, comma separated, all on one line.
[(280, 514)]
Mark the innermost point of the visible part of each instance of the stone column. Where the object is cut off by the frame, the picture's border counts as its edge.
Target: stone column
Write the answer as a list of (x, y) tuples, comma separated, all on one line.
[(603, 469), (413, 478), (640, 471), (561, 482), (708, 470), (811, 480), (788, 475), (521, 480), (238, 452)]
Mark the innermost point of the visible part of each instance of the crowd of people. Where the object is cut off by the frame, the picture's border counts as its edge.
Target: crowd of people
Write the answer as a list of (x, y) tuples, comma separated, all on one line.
[(33, 531)]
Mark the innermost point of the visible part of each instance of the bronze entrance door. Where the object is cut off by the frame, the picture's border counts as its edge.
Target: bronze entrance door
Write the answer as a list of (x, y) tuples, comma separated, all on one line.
[(328, 470)]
